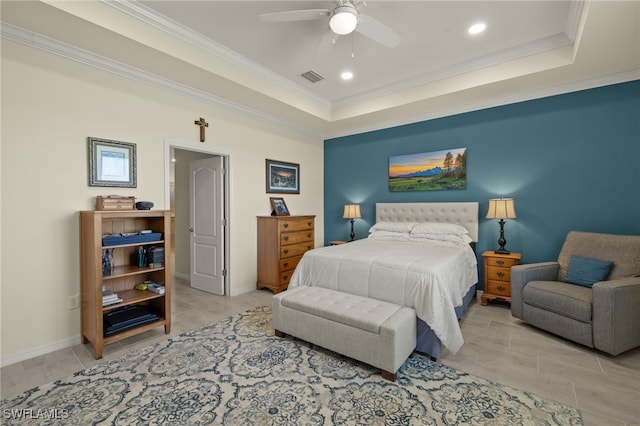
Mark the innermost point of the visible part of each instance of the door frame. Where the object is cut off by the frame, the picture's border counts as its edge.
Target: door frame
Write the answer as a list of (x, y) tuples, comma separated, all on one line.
[(168, 145)]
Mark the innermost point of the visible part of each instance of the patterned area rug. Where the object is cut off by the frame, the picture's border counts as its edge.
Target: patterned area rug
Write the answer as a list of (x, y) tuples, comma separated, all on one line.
[(236, 372)]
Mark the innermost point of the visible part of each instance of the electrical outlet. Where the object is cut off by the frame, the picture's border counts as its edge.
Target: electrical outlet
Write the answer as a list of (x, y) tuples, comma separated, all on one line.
[(74, 301)]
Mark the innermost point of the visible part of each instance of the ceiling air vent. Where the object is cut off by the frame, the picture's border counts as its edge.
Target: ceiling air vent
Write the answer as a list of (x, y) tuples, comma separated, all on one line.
[(312, 76)]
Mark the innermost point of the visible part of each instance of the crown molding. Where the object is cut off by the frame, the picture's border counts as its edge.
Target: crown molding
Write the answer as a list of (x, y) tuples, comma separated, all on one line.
[(56, 47), (47, 44), (175, 29), (529, 49), (522, 96)]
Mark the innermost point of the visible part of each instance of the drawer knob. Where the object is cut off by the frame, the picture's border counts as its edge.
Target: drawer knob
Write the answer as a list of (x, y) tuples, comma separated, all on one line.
[(286, 264), (500, 262), (286, 225), (500, 274), (286, 238), (501, 288), (309, 223), (286, 251), (286, 277), (308, 235)]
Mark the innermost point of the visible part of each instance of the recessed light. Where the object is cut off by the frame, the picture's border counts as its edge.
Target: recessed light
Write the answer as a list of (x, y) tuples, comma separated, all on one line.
[(346, 75), (477, 28)]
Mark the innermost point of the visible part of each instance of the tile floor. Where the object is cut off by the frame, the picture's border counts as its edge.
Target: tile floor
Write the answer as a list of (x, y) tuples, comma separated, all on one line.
[(498, 347)]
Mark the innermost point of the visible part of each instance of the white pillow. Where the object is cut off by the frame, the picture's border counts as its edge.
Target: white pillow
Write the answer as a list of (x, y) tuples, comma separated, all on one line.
[(393, 226), (389, 236), (438, 228), (457, 239)]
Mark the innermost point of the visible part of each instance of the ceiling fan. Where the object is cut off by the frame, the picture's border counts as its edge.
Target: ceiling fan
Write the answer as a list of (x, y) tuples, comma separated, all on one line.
[(343, 19)]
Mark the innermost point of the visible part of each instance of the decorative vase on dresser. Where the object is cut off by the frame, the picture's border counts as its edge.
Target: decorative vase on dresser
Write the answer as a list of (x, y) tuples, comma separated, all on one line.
[(282, 240), (497, 275)]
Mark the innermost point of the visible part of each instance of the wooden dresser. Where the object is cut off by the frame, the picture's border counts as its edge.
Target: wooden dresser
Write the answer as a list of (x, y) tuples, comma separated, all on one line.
[(282, 240), (497, 275)]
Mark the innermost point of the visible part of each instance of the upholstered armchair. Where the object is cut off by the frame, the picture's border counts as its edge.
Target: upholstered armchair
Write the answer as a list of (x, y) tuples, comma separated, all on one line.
[(599, 306)]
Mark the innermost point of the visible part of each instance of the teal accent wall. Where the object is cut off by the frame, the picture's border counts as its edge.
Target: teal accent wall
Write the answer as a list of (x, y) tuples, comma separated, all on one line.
[(571, 162)]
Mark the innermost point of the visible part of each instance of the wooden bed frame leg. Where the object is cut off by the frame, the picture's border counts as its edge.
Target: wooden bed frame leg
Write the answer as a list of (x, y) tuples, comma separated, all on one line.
[(388, 376), (279, 333)]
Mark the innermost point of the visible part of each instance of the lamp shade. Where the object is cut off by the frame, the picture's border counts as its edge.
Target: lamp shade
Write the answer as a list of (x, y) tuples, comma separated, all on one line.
[(351, 211), (343, 20), (501, 208)]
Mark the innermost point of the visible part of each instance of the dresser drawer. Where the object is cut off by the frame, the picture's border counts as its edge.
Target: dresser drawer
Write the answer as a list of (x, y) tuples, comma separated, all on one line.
[(289, 263), (285, 277), (296, 225), (295, 249), (500, 288), (498, 274), (501, 262), (296, 237)]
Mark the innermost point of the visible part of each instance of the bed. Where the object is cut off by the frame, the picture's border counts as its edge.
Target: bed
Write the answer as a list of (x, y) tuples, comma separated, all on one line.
[(409, 259)]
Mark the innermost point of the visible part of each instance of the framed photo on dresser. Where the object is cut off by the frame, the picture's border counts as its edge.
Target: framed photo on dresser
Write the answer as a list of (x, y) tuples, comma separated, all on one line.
[(279, 206)]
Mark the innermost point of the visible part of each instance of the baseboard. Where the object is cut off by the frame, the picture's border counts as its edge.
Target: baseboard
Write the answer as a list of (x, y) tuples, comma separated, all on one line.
[(40, 350), (183, 276)]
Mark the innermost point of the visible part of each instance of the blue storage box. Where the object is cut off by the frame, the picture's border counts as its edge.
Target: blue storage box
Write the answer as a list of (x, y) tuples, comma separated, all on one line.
[(116, 240)]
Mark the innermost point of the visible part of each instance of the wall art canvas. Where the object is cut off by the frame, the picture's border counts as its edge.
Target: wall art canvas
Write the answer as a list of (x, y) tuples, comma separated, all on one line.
[(428, 171)]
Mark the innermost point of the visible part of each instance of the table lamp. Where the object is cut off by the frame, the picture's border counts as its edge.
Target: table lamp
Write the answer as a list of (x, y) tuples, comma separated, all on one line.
[(501, 208), (352, 211)]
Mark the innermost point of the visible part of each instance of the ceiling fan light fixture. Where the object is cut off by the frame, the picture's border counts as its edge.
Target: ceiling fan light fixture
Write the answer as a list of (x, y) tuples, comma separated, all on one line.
[(344, 20)]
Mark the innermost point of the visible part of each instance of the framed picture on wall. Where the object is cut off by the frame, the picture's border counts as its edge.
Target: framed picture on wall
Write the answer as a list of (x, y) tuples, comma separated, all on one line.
[(112, 163), (282, 177), (428, 171), (279, 206)]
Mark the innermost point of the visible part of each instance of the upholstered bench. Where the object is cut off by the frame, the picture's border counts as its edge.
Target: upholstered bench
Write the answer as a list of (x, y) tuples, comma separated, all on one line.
[(377, 333)]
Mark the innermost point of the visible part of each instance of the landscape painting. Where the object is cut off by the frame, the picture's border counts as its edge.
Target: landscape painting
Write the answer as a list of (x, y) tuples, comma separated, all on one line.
[(428, 171)]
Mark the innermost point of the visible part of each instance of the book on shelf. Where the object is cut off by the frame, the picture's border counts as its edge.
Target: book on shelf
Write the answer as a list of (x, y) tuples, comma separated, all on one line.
[(110, 298)]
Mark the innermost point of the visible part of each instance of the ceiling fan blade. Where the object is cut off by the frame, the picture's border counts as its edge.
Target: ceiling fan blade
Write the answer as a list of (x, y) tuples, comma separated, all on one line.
[(295, 15), (377, 31), (326, 44)]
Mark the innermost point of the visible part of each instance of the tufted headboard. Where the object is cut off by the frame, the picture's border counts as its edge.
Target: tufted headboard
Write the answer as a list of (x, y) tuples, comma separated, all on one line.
[(465, 214)]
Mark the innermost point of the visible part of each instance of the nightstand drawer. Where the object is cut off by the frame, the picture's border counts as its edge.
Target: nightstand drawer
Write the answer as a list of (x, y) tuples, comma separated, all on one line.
[(501, 261), (295, 249), (296, 225), (499, 288), (289, 263), (296, 237), (499, 274)]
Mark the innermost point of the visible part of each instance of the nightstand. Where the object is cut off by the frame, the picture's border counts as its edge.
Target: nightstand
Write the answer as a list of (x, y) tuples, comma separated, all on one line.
[(497, 275), (336, 242)]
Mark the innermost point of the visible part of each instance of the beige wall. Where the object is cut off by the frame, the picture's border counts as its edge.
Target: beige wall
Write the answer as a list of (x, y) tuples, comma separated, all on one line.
[(50, 106)]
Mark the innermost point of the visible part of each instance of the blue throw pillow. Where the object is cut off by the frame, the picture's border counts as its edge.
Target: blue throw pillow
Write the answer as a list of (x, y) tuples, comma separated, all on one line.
[(586, 271)]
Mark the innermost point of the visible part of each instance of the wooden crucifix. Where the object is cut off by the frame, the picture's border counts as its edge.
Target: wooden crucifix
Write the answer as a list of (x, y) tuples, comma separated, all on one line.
[(202, 123)]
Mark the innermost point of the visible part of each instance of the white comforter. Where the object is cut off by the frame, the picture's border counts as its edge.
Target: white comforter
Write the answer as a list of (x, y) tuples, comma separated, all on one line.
[(429, 277)]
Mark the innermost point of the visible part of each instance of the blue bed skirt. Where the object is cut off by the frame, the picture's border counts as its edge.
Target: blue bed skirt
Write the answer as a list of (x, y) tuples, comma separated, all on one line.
[(427, 341)]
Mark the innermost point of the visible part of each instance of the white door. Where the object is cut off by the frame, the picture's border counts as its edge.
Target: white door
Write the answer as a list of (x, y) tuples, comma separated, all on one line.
[(206, 224)]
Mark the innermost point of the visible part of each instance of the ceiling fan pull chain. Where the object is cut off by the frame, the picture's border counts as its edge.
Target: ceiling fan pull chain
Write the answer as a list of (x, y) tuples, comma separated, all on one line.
[(353, 55)]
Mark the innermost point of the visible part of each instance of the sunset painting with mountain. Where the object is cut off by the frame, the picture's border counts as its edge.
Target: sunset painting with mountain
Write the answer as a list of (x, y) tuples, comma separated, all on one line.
[(427, 171)]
